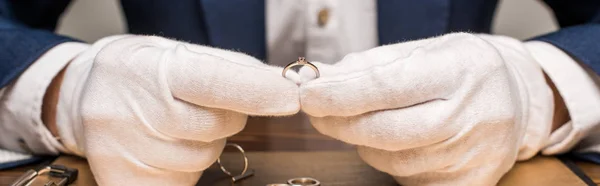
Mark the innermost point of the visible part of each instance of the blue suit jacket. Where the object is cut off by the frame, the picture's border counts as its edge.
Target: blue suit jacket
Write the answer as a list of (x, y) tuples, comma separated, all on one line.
[(26, 26)]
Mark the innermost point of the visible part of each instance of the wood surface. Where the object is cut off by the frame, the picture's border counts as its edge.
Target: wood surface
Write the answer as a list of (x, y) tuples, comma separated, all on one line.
[(284, 134), (338, 168)]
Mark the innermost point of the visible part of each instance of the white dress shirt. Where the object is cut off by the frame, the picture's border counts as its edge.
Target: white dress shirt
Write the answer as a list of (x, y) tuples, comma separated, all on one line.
[(21, 127), (321, 30)]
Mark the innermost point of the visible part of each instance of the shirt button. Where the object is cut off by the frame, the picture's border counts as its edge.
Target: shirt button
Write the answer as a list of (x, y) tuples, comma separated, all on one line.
[(323, 17)]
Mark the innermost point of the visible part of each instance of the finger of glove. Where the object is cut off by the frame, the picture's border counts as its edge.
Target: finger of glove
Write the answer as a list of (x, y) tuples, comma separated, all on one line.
[(385, 53), (121, 171), (493, 146), (484, 175), (202, 75), (402, 83), (214, 78), (394, 129), (407, 162), (434, 166), (150, 146), (472, 176), (193, 122), (430, 72), (116, 155), (362, 60)]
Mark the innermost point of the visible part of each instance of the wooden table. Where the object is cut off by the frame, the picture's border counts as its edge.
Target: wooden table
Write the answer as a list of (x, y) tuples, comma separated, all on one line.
[(334, 168), (591, 170), (275, 137)]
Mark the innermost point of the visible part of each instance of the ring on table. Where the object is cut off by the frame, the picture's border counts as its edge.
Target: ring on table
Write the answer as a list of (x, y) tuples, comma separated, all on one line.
[(241, 175), (304, 181), (301, 62)]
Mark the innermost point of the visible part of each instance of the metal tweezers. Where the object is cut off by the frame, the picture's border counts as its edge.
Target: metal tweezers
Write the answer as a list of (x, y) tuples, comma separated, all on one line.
[(66, 175)]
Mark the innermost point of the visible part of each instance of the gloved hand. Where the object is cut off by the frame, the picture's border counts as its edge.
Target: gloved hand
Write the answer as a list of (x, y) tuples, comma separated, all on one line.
[(146, 110), (449, 110)]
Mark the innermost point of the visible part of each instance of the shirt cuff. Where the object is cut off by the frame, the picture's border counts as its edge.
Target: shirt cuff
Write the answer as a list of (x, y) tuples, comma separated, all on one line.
[(578, 90), (21, 104)]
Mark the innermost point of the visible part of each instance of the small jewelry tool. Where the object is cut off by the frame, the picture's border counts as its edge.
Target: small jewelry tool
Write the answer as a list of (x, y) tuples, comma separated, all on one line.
[(65, 174)]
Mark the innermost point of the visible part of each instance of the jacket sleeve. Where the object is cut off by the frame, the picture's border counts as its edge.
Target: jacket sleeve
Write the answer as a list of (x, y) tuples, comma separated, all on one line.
[(26, 32), (579, 35)]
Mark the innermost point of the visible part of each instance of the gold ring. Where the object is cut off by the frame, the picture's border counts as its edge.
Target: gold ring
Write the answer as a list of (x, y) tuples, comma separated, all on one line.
[(245, 160), (301, 62)]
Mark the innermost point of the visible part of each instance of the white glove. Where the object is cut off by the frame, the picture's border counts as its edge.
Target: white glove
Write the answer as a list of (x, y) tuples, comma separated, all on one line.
[(449, 110), (146, 110)]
